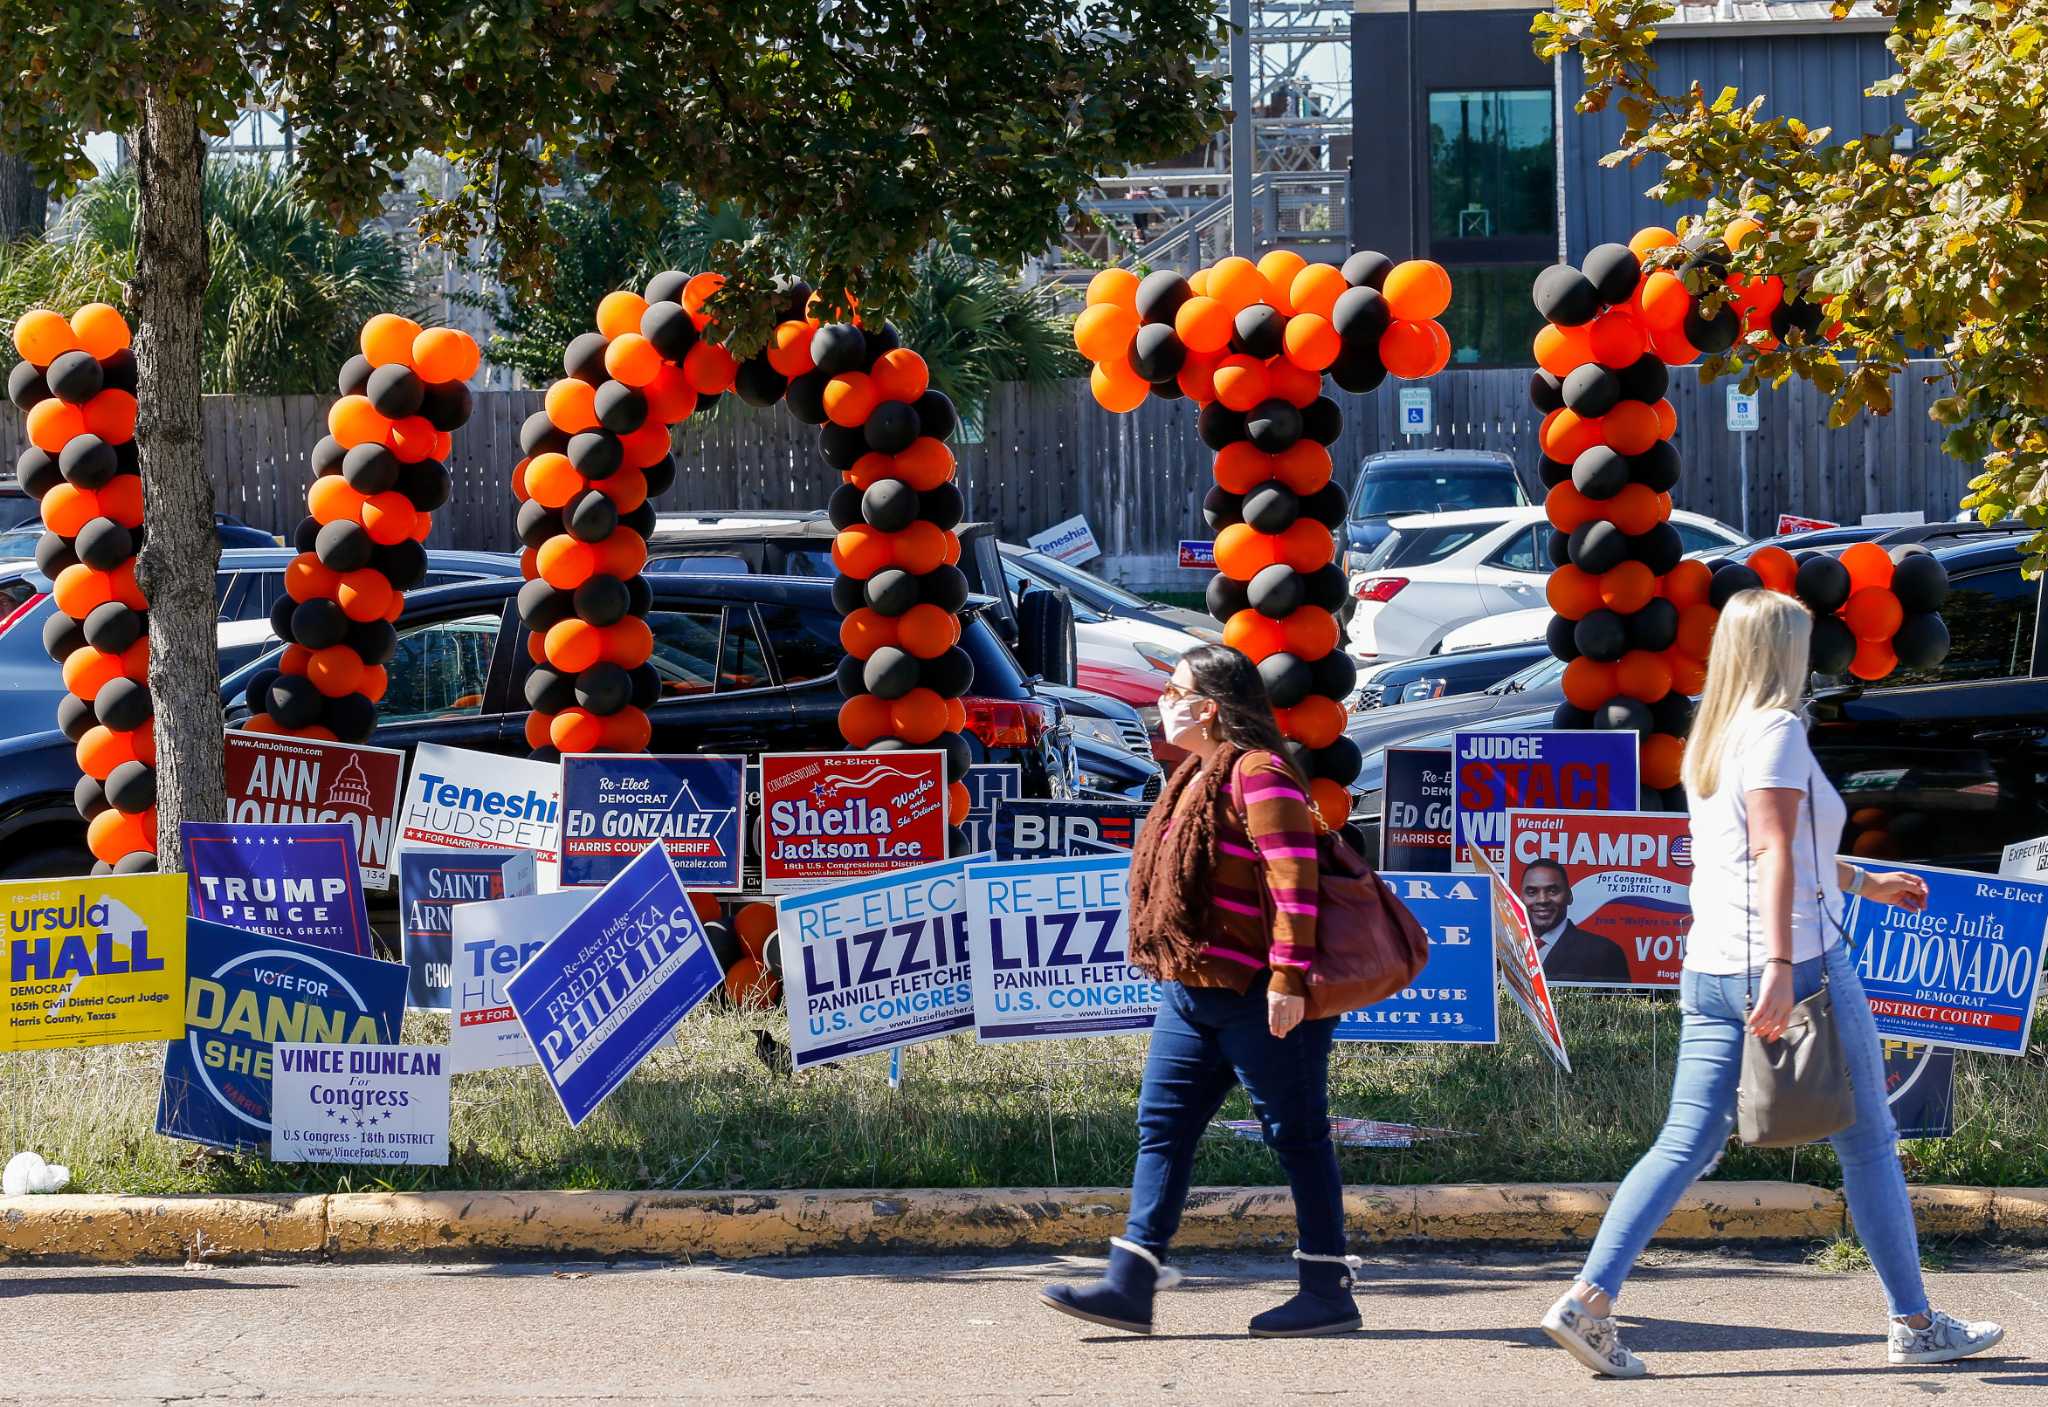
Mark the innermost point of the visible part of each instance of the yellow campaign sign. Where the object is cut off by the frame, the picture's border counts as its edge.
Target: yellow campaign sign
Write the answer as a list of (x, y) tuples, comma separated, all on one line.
[(93, 961)]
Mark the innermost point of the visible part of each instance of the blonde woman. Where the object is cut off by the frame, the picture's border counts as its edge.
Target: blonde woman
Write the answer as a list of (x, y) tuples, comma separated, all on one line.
[(1766, 918)]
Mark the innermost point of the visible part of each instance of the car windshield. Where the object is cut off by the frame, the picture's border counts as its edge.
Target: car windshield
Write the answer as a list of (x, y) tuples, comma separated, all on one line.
[(1085, 585), (1544, 671), (1417, 547), (19, 544), (1391, 490)]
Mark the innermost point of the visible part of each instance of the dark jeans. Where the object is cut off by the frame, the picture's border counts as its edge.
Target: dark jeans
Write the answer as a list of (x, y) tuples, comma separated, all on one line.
[(1206, 1040)]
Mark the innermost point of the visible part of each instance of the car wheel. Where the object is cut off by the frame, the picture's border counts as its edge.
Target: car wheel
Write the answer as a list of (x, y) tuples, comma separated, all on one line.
[(54, 863), (1045, 634)]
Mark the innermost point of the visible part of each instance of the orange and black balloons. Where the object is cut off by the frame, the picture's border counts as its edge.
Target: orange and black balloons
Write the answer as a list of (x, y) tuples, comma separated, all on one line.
[(380, 476), (76, 386)]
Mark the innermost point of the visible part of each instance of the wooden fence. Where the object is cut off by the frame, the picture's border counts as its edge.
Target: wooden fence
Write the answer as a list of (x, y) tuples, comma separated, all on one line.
[(1046, 455)]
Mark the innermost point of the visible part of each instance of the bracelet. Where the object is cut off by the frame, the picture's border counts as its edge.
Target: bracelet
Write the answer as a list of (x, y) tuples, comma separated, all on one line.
[(1857, 876), (1786, 961)]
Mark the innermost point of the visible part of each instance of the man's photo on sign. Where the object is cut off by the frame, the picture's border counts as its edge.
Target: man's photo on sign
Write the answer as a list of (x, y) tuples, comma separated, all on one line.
[(1570, 953)]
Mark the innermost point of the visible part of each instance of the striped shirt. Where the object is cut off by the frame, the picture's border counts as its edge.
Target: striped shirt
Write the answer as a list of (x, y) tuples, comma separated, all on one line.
[(1265, 839)]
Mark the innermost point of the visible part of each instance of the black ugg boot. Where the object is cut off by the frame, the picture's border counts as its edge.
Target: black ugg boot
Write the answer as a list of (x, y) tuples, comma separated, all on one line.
[(1122, 1298), (1323, 1304)]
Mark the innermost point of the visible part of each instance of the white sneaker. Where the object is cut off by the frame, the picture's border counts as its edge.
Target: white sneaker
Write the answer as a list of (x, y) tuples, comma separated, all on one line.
[(1943, 1340), (1594, 1342)]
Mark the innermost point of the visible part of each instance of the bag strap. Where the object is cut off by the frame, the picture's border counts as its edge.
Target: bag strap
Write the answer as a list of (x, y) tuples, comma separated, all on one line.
[(1823, 910)]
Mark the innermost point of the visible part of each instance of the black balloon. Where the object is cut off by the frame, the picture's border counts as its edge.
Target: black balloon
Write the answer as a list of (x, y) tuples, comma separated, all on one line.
[(1160, 294), (758, 383), (1326, 505), (591, 516), (425, 484), (1558, 546), (74, 716), (889, 505), (37, 472), (135, 862), (848, 592), (943, 507), (1921, 641), (318, 623), (53, 555), (131, 788), (1646, 379), (122, 704), (848, 676), (1322, 421), (355, 375), (1272, 507), (1273, 426), (549, 690), (1565, 296), (1591, 390), (1571, 717), (26, 386), (841, 446), (842, 509), (1358, 369), (75, 377), (446, 405), (540, 435), (583, 358), (1561, 636), (659, 476), (62, 636), (1221, 508), (103, 544), (1552, 471), (119, 371), (395, 391), (837, 347), (1157, 352), (294, 701), (1601, 636), (1672, 714), (403, 564), (950, 675), (892, 591), (596, 454), (374, 641), (1360, 315), (945, 588), (1622, 713), (1600, 472), (1220, 426), (1613, 270), (1732, 577), (620, 408), (1276, 591), (370, 468), (602, 600), (1715, 334), (1260, 331), (1660, 549), (1368, 268), (1336, 675), (353, 717), (1656, 468), (604, 688), (805, 397), (89, 797), (88, 462), (257, 690), (890, 673), (542, 605), (1598, 547), (344, 546), (1823, 584), (1287, 679), (1225, 597), (1340, 762), (1654, 627), (1326, 589), (1834, 646), (936, 414), (1546, 392), (1920, 582), (891, 428), (534, 524), (669, 326), (281, 616)]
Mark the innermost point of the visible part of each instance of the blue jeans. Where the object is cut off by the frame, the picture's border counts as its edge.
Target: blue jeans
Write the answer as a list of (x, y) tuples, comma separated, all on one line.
[(1206, 1040), (1703, 1115)]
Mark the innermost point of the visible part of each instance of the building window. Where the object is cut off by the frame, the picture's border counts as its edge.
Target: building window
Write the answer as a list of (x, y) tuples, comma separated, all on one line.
[(1491, 320), (1492, 164)]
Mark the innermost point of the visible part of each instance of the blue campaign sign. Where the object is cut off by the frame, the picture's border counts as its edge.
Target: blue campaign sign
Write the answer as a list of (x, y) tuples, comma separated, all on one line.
[(245, 992), (876, 963), (987, 783), (1046, 944), (298, 882), (1964, 971), (1197, 554), (1036, 830), (1455, 998), (1562, 770), (432, 885), (612, 985), (612, 806)]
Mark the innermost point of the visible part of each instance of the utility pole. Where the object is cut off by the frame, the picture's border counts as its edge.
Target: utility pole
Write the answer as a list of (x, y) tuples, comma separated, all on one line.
[(1243, 152)]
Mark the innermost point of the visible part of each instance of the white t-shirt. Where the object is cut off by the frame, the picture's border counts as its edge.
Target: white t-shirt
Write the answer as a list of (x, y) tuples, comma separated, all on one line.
[(1765, 750)]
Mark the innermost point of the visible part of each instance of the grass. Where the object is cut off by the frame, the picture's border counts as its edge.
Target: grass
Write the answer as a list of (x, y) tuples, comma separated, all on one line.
[(704, 1114)]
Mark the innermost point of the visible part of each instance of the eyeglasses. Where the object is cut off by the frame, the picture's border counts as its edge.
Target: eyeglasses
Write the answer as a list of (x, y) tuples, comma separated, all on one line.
[(1175, 691)]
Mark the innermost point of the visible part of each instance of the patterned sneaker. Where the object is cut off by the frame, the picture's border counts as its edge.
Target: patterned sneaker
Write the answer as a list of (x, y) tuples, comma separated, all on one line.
[(1594, 1342), (1943, 1340)]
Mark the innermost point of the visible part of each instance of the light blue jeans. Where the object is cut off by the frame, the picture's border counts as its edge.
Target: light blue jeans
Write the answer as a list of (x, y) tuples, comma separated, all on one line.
[(1703, 1115)]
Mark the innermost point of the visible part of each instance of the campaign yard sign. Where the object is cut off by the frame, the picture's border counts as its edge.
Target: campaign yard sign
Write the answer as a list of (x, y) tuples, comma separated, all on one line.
[(493, 939), (876, 963), (1520, 966), (1037, 830), (1559, 770), (1046, 944), (297, 882), (1415, 822), (987, 783), (1964, 971), (278, 781), (1920, 1085), (1607, 894), (1454, 999), (245, 993), (695, 805), (830, 816), (359, 1104), (432, 884), (457, 799), (611, 986), (93, 961), (2025, 859)]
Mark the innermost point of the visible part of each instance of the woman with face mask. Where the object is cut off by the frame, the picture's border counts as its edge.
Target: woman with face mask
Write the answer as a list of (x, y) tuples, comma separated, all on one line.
[(1223, 913)]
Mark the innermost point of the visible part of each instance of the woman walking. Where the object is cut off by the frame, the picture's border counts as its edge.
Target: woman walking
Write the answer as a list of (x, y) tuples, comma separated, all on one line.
[(1230, 840), (1766, 918)]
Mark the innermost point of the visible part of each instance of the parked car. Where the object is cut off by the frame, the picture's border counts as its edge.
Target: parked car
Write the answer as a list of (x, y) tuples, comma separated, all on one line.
[(249, 583), (1435, 572), (747, 664), (1944, 766), (1444, 675), (1402, 483), (18, 543), (1105, 599)]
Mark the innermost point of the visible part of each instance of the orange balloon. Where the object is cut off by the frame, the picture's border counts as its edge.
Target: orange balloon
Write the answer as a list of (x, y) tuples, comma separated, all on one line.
[(631, 358), (1776, 566), (1279, 268), (1696, 628), (870, 469), (627, 643), (1409, 350), (66, 508), (1303, 466), (565, 563), (1672, 348), (1117, 388), (87, 671), (442, 354), (537, 724), (1873, 613), (387, 339), (552, 481), (622, 554), (333, 501), (388, 518), (1296, 385), (1572, 593), (335, 670), (918, 717), (1688, 674), (1874, 659), (956, 716), (789, 348), (1565, 434), (629, 730), (573, 645), (42, 336), (1240, 382), (1643, 675), (861, 551), (1103, 331), (1629, 428), (1687, 584), (126, 590), (849, 399), (710, 368), (1241, 467), (1635, 510), (1589, 683), (1317, 721), (1242, 551), (1255, 635), (627, 489), (699, 291), (619, 312), (364, 595), (1317, 288), (1115, 286), (1312, 343), (1567, 509), (572, 405), (1661, 756), (1198, 283), (135, 660), (1627, 588), (376, 681), (919, 548), (959, 801), (645, 447), (52, 424), (670, 396), (1307, 545), (412, 439), (1649, 239), (927, 630), (1311, 632), (1665, 301), (575, 729), (1236, 283), (926, 464), (114, 834), (1667, 419), (1197, 376), (1616, 338), (1204, 324), (863, 719), (1869, 566), (80, 589), (305, 579), (121, 500), (1562, 350), (900, 374), (865, 631), (1331, 801), (1417, 290), (111, 416)]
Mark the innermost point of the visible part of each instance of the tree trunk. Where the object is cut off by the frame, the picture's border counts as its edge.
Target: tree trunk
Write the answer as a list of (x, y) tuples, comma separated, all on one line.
[(181, 552), (24, 205)]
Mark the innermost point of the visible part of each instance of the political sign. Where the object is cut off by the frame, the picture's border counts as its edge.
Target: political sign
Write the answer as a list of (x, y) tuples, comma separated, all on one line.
[(1035, 830), (432, 884), (695, 805), (1069, 541), (493, 939), (876, 963), (457, 799), (297, 882), (1965, 970), (1454, 999), (359, 1104), (1197, 554), (988, 783), (832, 816), (2025, 859), (278, 781), (1415, 823), (93, 961), (1562, 770), (244, 993), (1607, 893), (1920, 1086), (1520, 966), (1046, 949), (604, 992), (1795, 523)]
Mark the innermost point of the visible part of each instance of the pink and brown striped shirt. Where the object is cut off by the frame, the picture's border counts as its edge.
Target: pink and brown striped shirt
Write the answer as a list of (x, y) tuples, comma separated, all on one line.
[(1265, 838)]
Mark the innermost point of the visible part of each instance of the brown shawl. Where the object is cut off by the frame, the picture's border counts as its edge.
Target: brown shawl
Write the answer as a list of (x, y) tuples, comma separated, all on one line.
[(1171, 867)]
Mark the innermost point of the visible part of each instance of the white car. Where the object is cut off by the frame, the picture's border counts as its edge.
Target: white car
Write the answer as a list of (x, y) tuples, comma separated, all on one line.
[(1438, 571), (1512, 628)]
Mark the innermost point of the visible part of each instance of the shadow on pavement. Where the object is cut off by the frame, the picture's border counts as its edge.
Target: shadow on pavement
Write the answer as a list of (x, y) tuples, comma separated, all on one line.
[(87, 1284)]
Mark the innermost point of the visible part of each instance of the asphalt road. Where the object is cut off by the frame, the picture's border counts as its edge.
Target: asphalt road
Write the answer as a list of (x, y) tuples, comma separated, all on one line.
[(1439, 1329)]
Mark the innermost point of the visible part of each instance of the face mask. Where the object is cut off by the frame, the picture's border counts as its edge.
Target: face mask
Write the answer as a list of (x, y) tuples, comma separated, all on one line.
[(1179, 717)]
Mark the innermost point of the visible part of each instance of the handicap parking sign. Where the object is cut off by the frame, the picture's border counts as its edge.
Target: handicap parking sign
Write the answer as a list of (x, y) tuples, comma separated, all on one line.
[(1417, 413)]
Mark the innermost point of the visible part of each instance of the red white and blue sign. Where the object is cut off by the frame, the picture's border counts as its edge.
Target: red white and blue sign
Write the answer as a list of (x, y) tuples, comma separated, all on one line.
[(1562, 770), (613, 806), (832, 816), (246, 992), (614, 983), (1197, 555), (1455, 999), (299, 882), (1037, 830), (1963, 972), (432, 884)]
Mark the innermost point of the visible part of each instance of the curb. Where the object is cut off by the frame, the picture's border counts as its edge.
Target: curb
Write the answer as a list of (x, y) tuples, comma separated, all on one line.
[(373, 1226)]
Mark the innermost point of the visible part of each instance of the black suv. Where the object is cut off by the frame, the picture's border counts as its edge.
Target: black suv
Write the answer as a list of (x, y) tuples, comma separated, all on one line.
[(747, 664)]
